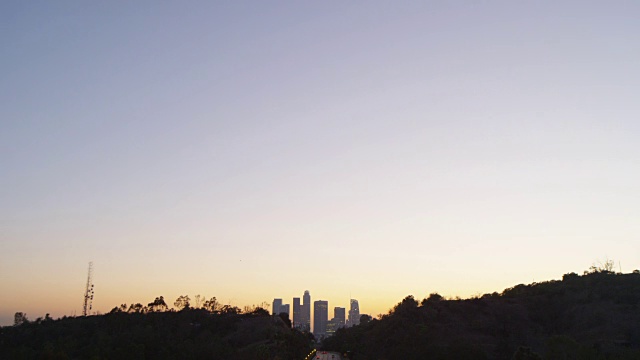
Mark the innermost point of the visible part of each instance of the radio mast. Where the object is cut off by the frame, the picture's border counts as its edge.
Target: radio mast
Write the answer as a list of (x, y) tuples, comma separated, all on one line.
[(88, 293)]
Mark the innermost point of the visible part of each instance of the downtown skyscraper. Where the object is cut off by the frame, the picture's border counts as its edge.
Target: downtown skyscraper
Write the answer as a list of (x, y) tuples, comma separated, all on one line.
[(354, 313), (306, 311), (275, 308), (297, 313), (320, 318), (337, 322), (302, 312), (339, 316), (280, 308)]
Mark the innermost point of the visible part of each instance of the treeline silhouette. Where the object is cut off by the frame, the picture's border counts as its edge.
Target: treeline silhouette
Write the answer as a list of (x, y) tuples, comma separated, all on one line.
[(157, 332), (593, 316)]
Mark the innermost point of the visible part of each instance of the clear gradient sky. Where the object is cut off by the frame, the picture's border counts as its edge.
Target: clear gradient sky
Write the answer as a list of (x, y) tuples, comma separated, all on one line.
[(255, 149)]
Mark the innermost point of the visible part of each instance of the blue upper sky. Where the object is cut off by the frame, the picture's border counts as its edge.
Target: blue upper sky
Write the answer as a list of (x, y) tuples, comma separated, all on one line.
[(252, 150)]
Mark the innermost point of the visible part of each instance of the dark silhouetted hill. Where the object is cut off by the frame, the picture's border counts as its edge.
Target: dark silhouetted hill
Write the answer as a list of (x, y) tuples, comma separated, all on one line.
[(594, 316), (187, 334)]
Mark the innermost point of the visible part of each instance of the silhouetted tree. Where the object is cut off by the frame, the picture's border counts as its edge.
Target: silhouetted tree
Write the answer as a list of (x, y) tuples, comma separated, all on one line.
[(182, 302), (570, 276), (20, 318), (117, 309), (260, 311), (137, 308), (364, 319), (606, 267), (194, 334), (212, 305), (433, 297), (406, 307), (158, 304), (228, 309), (284, 317)]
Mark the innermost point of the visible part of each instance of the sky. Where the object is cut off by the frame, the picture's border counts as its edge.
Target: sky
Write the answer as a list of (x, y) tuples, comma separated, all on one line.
[(252, 150)]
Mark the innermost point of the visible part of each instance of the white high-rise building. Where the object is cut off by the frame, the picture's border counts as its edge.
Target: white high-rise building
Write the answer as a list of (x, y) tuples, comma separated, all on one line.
[(354, 314)]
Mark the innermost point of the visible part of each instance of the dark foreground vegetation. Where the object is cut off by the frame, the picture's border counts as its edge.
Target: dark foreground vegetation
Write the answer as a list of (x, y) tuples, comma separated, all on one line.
[(594, 316), (186, 334), (588, 317)]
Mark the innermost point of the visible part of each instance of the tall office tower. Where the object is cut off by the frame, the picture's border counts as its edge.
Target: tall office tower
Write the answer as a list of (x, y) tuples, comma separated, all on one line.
[(306, 311), (285, 308), (332, 327), (354, 313), (320, 318), (277, 303), (297, 321), (337, 322), (338, 316)]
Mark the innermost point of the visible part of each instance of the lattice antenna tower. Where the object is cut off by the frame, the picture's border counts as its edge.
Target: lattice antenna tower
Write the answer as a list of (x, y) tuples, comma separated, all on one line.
[(88, 293)]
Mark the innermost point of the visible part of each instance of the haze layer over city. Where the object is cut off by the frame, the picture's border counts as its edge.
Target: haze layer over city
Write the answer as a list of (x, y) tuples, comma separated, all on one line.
[(252, 150)]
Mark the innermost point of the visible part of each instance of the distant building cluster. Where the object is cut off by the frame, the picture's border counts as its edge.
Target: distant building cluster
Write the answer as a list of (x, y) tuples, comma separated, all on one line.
[(279, 308), (322, 326)]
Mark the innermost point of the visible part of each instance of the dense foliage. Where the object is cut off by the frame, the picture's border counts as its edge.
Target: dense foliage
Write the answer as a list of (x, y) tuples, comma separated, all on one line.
[(186, 334), (595, 316)]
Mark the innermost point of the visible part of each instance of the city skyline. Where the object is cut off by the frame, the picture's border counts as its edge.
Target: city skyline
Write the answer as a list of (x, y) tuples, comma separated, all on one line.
[(248, 150), (301, 314)]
